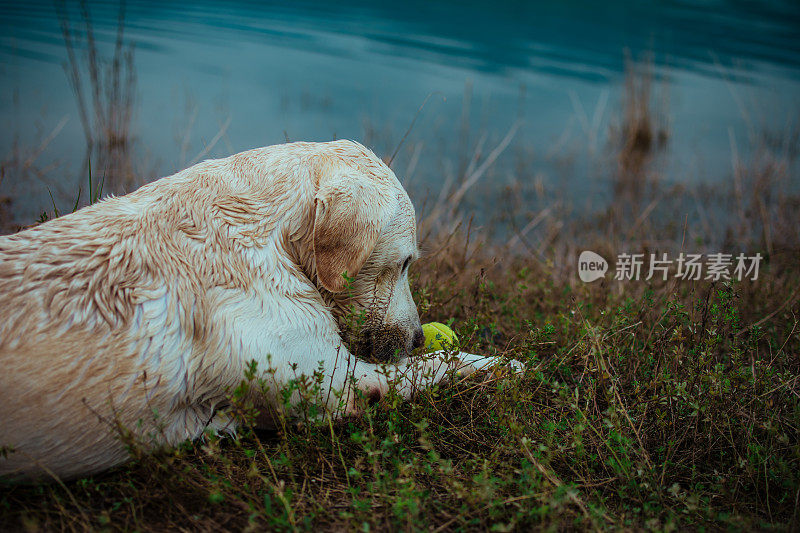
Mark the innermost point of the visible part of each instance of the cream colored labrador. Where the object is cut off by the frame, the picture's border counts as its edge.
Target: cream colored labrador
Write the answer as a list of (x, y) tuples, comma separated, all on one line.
[(143, 312)]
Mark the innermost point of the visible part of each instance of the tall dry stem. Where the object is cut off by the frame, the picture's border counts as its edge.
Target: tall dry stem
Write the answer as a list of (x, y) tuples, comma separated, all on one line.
[(107, 112)]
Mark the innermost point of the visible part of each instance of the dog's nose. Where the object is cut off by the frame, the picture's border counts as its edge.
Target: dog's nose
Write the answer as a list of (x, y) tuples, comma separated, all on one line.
[(419, 338)]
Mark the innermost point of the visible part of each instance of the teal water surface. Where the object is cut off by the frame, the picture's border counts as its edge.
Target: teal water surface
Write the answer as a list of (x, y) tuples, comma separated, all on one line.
[(726, 72)]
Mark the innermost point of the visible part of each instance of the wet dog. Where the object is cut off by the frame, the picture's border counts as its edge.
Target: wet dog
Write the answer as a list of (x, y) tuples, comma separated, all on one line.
[(145, 311)]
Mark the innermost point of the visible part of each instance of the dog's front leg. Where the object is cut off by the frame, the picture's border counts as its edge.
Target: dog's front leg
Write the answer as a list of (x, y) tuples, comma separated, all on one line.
[(366, 381)]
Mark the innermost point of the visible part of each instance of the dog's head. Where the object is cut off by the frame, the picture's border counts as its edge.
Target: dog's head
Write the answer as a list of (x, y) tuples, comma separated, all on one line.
[(364, 241)]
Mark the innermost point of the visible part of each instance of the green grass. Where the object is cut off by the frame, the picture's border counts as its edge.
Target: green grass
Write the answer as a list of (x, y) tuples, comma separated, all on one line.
[(642, 406)]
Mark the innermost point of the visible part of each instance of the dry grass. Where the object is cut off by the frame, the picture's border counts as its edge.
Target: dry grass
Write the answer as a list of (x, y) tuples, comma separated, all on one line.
[(650, 405), (105, 91), (642, 133)]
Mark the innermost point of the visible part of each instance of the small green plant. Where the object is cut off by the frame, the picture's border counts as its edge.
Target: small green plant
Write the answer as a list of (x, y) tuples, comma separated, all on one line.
[(647, 409)]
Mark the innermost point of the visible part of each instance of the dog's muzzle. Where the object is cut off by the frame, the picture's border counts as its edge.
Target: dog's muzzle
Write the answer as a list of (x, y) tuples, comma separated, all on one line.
[(386, 344)]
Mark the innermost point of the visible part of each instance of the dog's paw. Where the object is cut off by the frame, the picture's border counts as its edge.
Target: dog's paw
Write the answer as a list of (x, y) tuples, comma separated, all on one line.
[(507, 368), (518, 368), (471, 363)]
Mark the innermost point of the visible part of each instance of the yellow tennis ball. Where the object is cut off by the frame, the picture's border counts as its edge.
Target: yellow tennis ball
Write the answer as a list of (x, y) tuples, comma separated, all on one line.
[(439, 337)]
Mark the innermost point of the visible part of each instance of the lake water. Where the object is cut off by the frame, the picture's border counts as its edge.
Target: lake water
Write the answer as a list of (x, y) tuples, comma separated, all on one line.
[(726, 73)]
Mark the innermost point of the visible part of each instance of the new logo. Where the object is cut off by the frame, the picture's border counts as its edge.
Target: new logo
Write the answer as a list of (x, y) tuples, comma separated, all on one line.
[(591, 266)]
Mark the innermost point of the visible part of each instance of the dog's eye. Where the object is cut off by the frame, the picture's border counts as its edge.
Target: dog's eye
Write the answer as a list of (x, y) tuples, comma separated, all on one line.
[(406, 263)]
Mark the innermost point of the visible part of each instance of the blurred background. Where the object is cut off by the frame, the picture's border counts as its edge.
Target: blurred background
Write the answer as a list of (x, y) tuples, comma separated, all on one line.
[(546, 125)]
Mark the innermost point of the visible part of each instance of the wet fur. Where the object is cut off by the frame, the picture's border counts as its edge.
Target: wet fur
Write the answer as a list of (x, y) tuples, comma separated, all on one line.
[(142, 312)]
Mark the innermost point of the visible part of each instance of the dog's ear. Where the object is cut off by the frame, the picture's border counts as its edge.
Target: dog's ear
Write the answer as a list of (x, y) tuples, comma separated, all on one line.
[(350, 213)]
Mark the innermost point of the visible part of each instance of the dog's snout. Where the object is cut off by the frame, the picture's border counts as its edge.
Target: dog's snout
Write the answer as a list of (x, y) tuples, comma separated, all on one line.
[(419, 338)]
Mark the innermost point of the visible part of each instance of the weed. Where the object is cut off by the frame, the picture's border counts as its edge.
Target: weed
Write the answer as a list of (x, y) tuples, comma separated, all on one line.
[(639, 409), (107, 113)]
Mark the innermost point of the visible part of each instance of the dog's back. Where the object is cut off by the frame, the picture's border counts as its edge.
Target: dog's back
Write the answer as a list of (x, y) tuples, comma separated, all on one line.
[(89, 305), (109, 316), (132, 318), (69, 291)]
